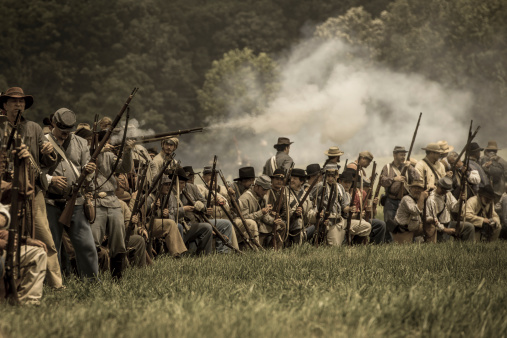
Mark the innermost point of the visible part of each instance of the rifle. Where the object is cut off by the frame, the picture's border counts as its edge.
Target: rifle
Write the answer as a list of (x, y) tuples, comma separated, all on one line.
[(66, 216), (229, 216), (10, 140), (135, 209), (305, 196), (354, 192), (375, 197), (95, 137), (223, 238), (11, 290), (163, 136), (320, 207), (238, 211), (322, 233), (405, 168), (453, 168), (208, 200), (279, 201), (463, 180), (368, 214)]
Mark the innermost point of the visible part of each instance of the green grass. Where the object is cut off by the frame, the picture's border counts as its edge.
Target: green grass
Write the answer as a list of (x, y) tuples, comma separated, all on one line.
[(451, 289)]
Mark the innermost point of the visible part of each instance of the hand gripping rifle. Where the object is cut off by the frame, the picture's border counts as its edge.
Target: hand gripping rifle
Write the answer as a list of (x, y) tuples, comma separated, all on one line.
[(322, 234), (135, 209), (229, 216), (11, 290), (208, 200), (405, 168), (238, 211), (353, 197), (223, 238), (301, 202), (66, 215), (320, 208), (279, 201)]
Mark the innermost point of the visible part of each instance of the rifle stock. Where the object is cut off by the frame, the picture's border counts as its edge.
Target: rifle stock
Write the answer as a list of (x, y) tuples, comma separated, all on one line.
[(66, 216)]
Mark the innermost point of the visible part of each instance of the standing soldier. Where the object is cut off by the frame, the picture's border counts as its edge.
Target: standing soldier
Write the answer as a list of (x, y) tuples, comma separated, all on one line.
[(445, 148), (169, 146), (333, 156), (281, 160), (109, 216), (42, 153), (393, 181), (73, 154), (430, 169), (495, 167)]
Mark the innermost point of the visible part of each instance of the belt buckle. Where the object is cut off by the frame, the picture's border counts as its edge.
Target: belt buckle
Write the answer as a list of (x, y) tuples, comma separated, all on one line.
[(102, 194)]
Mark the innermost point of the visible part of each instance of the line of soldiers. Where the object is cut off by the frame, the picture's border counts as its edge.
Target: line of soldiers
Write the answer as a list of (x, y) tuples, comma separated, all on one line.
[(135, 205)]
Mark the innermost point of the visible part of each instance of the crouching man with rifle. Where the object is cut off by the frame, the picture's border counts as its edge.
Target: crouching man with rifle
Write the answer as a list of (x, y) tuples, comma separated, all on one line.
[(73, 158)]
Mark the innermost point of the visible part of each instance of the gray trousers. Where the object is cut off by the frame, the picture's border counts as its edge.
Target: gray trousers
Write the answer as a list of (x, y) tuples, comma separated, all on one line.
[(467, 232), (109, 221)]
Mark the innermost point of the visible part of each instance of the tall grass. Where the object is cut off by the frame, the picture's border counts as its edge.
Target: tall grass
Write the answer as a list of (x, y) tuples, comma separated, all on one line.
[(452, 289)]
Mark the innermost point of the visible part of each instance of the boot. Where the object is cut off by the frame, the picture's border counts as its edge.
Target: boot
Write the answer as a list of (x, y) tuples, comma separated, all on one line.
[(117, 263)]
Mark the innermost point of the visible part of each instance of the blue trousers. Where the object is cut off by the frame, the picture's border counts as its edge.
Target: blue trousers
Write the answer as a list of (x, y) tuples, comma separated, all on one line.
[(80, 235)]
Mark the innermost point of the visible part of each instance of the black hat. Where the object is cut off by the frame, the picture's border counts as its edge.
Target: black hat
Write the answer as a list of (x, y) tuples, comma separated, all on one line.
[(189, 170), (313, 169), (348, 175), (278, 173), (283, 141), (296, 172), (181, 174), (84, 133), (487, 191), (65, 119), (474, 146), (245, 173)]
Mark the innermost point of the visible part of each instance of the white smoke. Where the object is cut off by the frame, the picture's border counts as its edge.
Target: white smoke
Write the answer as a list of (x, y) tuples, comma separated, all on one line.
[(329, 98), (134, 129)]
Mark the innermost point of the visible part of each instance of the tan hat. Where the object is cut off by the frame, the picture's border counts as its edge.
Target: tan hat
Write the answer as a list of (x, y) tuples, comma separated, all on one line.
[(492, 146), (16, 93), (434, 147), (445, 147), (366, 154), (174, 140), (333, 151)]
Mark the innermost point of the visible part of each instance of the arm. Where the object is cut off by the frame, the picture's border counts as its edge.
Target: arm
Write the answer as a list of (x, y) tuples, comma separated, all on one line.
[(470, 215)]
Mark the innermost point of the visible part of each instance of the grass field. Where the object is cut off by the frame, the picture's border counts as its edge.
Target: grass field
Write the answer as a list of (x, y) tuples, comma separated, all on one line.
[(451, 289)]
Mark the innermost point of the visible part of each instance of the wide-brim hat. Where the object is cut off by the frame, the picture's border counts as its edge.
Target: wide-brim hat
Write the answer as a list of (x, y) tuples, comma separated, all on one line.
[(246, 173), (313, 169), (182, 175), (445, 147), (347, 175), (189, 170), (474, 146), (16, 92), (296, 172), (65, 119), (399, 149), (487, 191), (434, 147), (207, 170), (492, 146), (333, 152), (278, 173), (122, 194), (84, 133), (283, 141)]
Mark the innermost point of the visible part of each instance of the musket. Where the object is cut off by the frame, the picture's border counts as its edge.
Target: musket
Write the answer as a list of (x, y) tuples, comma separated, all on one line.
[(163, 136), (368, 214), (95, 137), (66, 215), (322, 233), (223, 238), (208, 200), (10, 140), (453, 168), (238, 211), (320, 208), (353, 197), (305, 196), (375, 200), (135, 209), (229, 216), (11, 290), (405, 168), (279, 201)]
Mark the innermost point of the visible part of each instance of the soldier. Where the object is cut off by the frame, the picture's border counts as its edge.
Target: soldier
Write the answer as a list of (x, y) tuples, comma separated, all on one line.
[(73, 154), (472, 176), (430, 169), (378, 227), (314, 173), (243, 182), (254, 206), (439, 206), (272, 219), (281, 160), (42, 154), (364, 160), (333, 156), (445, 148), (190, 173), (474, 158), (109, 216), (495, 167), (393, 181), (480, 211), (300, 214), (169, 146)]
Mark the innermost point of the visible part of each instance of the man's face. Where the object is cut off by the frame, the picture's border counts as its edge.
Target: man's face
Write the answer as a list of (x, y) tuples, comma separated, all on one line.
[(182, 185), (346, 185), (416, 191), (247, 183), (206, 178), (260, 191), (440, 191), (165, 188), (12, 105), (168, 148), (60, 134), (490, 153), (295, 183), (399, 157), (277, 182), (331, 177), (191, 178), (433, 156)]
